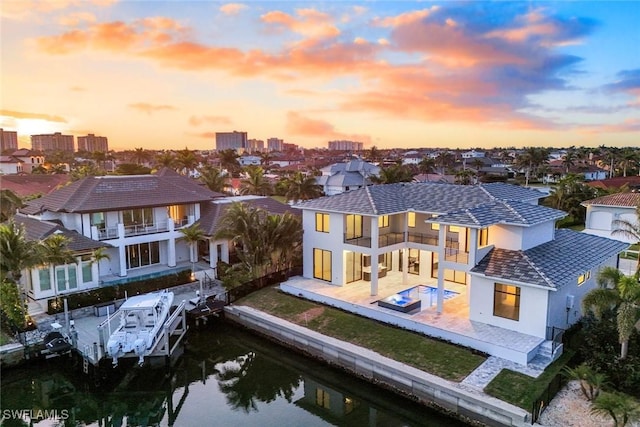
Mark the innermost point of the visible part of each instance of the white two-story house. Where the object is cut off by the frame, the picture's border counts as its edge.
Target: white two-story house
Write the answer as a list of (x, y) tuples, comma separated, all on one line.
[(482, 266), (136, 218)]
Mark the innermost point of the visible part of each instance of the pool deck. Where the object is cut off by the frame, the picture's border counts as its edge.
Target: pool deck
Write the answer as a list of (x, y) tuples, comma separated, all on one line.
[(452, 324)]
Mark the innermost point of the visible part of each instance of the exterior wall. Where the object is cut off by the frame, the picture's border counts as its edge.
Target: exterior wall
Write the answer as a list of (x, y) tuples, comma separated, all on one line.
[(8, 140), (537, 235), (599, 220), (507, 237), (533, 302), (10, 168), (331, 241)]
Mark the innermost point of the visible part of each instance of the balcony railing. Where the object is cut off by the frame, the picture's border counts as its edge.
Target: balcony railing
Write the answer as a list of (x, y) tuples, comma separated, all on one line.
[(107, 233), (390, 239), (423, 239), (364, 241), (138, 229), (456, 255)]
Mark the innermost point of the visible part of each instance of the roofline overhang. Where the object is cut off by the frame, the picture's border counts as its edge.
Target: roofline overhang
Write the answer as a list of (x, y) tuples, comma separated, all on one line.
[(529, 285), (585, 204)]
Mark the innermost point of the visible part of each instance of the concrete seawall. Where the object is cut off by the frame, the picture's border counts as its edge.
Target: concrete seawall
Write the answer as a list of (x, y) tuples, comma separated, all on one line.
[(370, 365)]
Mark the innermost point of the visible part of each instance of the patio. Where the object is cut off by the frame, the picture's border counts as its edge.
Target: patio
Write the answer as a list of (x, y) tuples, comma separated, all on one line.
[(452, 324)]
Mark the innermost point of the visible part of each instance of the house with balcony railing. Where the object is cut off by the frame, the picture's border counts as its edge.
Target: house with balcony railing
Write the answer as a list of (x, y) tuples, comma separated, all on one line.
[(137, 219), (480, 265)]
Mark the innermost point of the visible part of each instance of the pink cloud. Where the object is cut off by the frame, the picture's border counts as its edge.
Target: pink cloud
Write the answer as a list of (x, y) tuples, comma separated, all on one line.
[(26, 115), (216, 120), (299, 125), (151, 108), (232, 8)]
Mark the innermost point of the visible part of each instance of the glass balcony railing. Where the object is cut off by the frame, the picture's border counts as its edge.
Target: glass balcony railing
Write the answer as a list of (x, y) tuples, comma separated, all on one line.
[(456, 255), (390, 239), (364, 241), (423, 238)]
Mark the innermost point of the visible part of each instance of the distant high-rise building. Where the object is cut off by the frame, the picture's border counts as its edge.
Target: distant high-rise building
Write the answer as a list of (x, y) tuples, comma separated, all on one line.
[(8, 140), (345, 145), (231, 140), (255, 145), (92, 143), (52, 142), (275, 144)]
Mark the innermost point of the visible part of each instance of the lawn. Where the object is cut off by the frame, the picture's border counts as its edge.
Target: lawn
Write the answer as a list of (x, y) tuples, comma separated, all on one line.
[(522, 390), (5, 338), (445, 360)]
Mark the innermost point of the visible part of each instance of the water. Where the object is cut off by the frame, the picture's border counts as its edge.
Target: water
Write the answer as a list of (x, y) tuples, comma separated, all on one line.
[(227, 377)]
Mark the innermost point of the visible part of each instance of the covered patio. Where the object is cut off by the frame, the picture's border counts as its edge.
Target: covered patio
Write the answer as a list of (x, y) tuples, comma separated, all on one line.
[(452, 324)]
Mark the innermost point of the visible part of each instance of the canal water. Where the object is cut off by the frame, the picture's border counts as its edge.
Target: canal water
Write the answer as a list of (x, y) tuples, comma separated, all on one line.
[(227, 377)]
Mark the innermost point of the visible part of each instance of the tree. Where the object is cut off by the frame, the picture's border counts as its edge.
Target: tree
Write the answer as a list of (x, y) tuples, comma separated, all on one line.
[(465, 177), (132, 169), (229, 160), (374, 154), (393, 174), (427, 165), (265, 158), (445, 160), (620, 293), (10, 202), (590, 381), (99, 255), (568, 194), (140, 156), (84, 171), (165, 159), (301, 187), (630, 230), (192, 235), (214, 178), (186, 161), (569, 160), (531, 160), (255, 182), (620, 407), (55, 251)]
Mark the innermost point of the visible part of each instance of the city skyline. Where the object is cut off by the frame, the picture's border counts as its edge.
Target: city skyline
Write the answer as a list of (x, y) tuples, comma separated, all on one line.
[(171, 74)]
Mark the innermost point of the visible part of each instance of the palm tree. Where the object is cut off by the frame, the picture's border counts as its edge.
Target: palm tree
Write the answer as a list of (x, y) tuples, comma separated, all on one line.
[(427, 165), (55, 251), (10, 202), (229, 160), (628, 159), (140, 155), (629, 230), (465, 177), (620, 293), (620, 407), (255, 182), (214, 178), (393, 174), (265, 158), (165, 159), (192, 235), (283, 237), (98, 255), (569, 160), (445, 160), (186, 161), (301, 187), (374, 154)]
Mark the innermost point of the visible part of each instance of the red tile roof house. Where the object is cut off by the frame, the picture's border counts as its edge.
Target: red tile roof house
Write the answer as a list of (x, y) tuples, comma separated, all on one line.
[(603, 211), (137, 218), (478, 265)]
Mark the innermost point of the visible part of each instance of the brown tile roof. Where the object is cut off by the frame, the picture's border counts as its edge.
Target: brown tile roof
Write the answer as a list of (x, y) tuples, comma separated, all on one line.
[(109, 193), (617, 182), (618, 199), (31, 184), (40, 230)]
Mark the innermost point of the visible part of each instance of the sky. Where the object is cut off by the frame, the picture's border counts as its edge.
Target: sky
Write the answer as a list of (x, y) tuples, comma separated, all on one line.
[(394, 74)]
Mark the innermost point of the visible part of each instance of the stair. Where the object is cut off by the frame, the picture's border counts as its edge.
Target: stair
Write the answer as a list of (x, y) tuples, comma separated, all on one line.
[(545, 350)]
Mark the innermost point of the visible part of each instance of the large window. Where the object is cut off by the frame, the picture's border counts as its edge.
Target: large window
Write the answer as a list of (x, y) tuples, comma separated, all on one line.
[(180, 213), (97, 219), (322, 264), (411, 219), (66, 277), (383, 221), (87, 271), (506, 301), (353, 266), (142, 216), (353, 226), (323, 398), (322, 222), (45, 278), (483, 237), (143, 254)]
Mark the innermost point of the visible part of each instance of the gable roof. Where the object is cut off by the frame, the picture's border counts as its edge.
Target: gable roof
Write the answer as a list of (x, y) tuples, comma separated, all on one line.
[(39, 230), (553, 264), (115, 192), (428, 197), (30, 184), (500, 212), (626, 200)]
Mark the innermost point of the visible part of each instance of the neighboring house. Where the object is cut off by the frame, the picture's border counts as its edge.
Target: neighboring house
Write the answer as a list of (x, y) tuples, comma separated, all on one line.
[(341, 177), (214, 250), (33, 184), (138, 218), (603, 211), (10, 165), (631, 182), (473, 154), (248, 160), (515, 281), (557, 171), (31, 159)]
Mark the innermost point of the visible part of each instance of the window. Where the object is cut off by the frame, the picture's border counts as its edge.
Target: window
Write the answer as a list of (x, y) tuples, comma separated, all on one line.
[(142, 216), (354, 226), (87, 272), (411, 219), (322, 264), (435, 227), (483, 237), (179, 214), (584, 277), (143, 254), (97, 219), (323, 398), (322, 222), (383, 221), (353, 266), (506, 301), (45, 279)]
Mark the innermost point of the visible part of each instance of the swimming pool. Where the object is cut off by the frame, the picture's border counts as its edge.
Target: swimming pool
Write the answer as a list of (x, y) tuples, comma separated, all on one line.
[(427, 294)]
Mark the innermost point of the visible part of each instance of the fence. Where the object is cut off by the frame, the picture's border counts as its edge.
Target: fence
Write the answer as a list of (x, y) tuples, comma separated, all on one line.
[(261, 282), (540, 404)]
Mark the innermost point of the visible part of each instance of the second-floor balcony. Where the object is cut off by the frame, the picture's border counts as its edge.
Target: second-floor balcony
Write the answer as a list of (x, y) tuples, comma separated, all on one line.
[(389, 239), (423, 238), (456, 255), (113, 232), (364, 241)]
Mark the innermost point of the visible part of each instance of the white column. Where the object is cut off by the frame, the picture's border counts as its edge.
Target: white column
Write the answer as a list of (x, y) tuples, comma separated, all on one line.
[(375, 233), (405, 266), (441, 253), (122, 254), (213, 254), (171, 252)]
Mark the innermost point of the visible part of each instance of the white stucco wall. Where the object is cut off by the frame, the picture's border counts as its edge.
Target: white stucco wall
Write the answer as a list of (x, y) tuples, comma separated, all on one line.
[(521, 238), (331, 241)]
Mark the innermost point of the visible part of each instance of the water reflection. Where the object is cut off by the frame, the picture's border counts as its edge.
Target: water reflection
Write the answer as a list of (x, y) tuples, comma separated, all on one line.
[(226, 378)]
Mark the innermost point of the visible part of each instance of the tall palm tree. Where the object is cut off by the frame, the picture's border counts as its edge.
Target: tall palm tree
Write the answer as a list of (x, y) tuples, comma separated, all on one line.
[(629, 230), (97, 256), (445, 160), (621, 293), (255, 182), (165, 159), (393, 174), (427, 165), (140, 155), (55, 251), (192, 235), (186, 161), (569, 160), (301, 187), (229, 160), (283, 237), (10, 202), (214, 178)]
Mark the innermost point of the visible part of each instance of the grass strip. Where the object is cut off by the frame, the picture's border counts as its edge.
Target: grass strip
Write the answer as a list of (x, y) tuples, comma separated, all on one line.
[(522, 390), (439, 358)]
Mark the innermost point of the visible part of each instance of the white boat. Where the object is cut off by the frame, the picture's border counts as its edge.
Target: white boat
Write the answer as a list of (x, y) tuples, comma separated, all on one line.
[(142, 318)]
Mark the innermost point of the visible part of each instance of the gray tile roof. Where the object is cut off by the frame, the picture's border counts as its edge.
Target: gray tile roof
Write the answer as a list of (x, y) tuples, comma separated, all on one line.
[(501, 212), (40, 230), (553, 264), (114, 192), (426, 197)]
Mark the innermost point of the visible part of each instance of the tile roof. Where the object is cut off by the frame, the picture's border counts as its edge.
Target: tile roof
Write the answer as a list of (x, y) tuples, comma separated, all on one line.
[(501, 212), (30, 184), (113, 192), (39, 230), (427, 197), (618, 199), (553, 264)]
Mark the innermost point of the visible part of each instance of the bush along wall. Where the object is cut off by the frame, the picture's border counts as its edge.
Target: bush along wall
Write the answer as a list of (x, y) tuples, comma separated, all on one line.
[(116, 292)]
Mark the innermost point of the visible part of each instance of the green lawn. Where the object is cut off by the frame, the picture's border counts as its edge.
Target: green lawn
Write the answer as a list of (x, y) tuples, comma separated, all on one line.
[(520, 389), (436, 357), (5, 339)]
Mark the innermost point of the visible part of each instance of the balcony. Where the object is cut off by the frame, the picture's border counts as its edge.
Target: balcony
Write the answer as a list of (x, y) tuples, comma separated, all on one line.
[(108, 233), (364, 241), (423, 238), (456, 255), (390, 239)]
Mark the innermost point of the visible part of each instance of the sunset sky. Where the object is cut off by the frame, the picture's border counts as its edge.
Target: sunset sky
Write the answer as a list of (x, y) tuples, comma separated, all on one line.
[(169, 74)]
